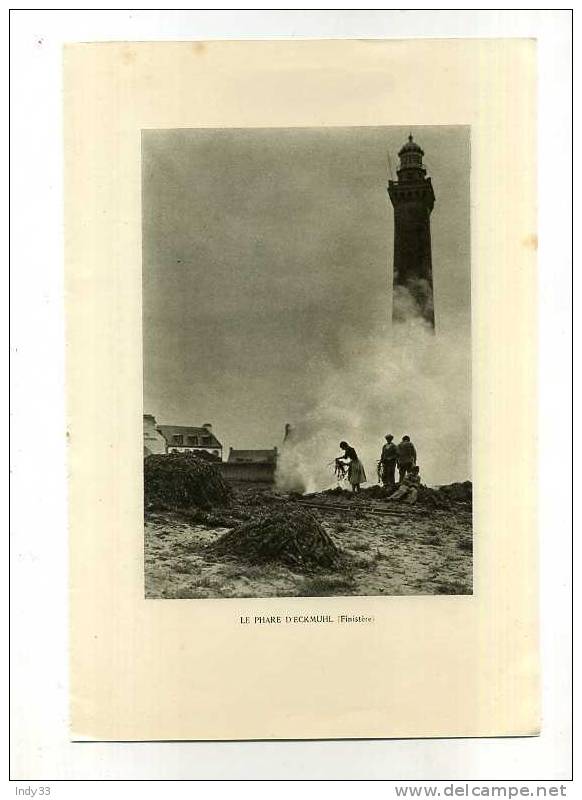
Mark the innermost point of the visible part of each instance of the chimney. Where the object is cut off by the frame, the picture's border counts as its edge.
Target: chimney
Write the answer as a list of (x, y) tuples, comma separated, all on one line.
[(149, 422), (208, 427)]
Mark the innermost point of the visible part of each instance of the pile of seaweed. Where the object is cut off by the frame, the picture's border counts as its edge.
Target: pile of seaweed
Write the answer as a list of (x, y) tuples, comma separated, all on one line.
[(443, 497), (446, 496), (206, 456), (181, 480), (258, 497), (337, 491), (288, 535)]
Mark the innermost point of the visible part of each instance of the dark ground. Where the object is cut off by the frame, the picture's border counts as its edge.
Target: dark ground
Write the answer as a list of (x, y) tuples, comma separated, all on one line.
[(386, 548)]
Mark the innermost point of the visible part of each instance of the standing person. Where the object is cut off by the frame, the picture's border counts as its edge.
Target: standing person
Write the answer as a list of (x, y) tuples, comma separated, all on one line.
[(388, 460), (406, 457), (356, 473)]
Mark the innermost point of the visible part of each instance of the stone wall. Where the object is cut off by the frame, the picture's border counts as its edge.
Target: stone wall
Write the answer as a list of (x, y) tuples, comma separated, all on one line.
[(261, 472)]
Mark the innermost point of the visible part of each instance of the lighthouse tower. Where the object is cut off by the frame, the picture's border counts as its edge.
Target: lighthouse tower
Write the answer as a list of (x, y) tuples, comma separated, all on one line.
[(413, 199)]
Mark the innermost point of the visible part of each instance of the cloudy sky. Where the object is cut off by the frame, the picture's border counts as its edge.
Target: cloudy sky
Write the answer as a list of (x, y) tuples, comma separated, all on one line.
[(267, 252)]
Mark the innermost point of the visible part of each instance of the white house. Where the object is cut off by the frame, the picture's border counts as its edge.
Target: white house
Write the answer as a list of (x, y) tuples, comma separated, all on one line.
[(186, 439), (153, 441)]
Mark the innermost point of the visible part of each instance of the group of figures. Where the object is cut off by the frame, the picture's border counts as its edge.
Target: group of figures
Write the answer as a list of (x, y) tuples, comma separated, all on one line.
[(401, 456)]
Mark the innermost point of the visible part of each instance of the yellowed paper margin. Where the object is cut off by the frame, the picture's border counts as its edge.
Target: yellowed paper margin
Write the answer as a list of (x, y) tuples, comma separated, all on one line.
[(429, 666)]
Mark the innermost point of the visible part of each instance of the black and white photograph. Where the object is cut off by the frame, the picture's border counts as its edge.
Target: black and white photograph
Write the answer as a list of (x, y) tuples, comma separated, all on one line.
[(302, 288), (307, 362)]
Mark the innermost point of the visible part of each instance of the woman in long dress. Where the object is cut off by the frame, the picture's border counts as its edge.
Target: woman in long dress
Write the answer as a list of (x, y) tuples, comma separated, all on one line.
[(356, 473)]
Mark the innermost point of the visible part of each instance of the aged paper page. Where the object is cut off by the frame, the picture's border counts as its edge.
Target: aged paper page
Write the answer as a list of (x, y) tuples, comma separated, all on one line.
[(423, 665)]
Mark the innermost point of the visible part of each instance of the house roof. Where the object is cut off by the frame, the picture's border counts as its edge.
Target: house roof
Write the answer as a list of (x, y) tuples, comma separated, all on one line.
[(169, 431), (253, 456)]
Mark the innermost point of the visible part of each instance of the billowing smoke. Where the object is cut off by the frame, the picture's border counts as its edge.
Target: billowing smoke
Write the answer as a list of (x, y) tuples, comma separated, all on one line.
[(401, 380), (413, 300)]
